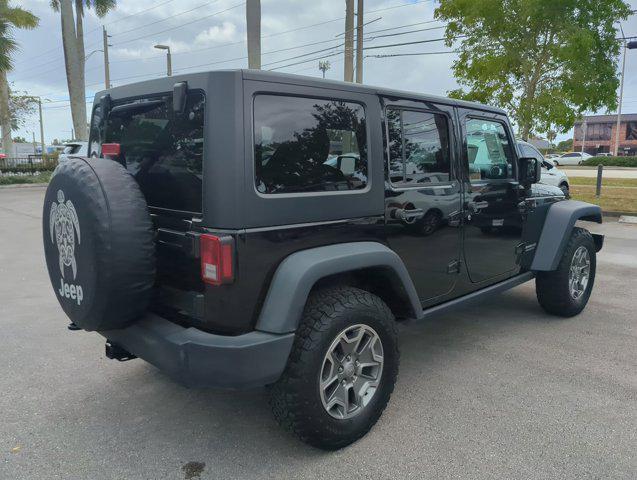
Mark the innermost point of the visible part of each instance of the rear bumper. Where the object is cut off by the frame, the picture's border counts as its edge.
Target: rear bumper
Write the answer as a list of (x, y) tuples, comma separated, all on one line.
[(199, 359)]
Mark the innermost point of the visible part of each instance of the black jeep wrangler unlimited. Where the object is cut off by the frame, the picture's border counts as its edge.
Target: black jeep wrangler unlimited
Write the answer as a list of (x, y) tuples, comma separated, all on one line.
[(242, 228)]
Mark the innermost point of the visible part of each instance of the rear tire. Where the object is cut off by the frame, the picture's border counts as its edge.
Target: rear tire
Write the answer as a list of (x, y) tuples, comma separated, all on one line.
[(565, 291), (565, 190), (306, 401)]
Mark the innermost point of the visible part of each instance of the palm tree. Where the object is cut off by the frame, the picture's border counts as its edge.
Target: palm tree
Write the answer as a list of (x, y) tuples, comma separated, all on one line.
[(10, 18), (74, 58)]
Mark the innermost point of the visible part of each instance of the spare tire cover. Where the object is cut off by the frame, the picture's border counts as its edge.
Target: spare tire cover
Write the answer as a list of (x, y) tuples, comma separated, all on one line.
[(98, 243)]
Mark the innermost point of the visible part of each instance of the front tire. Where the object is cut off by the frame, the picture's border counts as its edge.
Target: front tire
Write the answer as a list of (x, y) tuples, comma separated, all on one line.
[(565, 190), (341, 371), (565, 291)]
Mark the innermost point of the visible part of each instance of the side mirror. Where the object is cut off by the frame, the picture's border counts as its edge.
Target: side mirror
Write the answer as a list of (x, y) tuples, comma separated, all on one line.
[(180, 94), (530, 170)]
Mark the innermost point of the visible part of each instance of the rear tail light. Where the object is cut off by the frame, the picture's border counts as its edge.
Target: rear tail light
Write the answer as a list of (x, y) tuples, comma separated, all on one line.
[(111, 150), (217, 262)]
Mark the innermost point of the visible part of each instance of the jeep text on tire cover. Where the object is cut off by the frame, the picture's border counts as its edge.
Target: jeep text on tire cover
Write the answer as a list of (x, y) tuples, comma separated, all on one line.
[(244, 228)]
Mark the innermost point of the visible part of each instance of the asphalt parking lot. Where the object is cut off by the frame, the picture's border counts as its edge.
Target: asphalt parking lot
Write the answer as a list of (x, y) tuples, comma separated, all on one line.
[(500, 390)]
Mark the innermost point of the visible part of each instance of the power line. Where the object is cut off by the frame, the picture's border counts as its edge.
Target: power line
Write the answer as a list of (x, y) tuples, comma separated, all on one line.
[(408, 32), (131, 15), (306, 61), (410, 54), (180, 26), (402, 26), (165, 19), (407, 43), (225, 44)]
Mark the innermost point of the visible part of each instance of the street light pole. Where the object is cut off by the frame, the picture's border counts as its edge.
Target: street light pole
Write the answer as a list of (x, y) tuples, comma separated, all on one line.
[(619, 108), (627, 46), (169, 65)]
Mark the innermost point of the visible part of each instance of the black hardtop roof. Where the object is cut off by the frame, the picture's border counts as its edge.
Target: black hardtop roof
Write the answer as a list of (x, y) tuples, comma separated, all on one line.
[(158, 84)]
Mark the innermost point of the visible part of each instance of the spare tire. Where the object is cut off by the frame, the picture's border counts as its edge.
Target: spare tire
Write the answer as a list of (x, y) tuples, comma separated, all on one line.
[(98, 243)]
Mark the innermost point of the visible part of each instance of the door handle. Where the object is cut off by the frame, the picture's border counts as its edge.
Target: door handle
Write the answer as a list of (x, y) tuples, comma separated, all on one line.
[(408, 215), (475, 207)]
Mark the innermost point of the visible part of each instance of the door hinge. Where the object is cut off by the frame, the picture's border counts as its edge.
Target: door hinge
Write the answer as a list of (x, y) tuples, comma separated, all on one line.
[(454, 267)]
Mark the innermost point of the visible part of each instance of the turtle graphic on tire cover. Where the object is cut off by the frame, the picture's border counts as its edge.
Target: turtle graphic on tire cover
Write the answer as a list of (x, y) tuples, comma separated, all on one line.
[(63, 224)]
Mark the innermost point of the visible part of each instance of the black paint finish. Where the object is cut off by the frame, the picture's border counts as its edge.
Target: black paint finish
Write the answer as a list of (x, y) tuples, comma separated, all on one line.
[(455, 236)]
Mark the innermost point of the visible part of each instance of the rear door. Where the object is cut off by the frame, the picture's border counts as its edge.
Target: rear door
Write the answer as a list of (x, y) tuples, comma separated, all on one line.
[(164, 150), (422, 194), (493, 220)]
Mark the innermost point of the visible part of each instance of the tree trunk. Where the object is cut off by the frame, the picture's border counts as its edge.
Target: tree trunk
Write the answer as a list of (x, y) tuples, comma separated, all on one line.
[(5, 115), (73, 42)]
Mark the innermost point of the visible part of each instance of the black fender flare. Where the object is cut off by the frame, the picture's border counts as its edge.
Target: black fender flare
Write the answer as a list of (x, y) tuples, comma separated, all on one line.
[(299, 272), (558, 225)]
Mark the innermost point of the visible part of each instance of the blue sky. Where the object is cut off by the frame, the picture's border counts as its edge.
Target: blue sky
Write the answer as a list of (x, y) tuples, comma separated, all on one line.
[(210, 34)]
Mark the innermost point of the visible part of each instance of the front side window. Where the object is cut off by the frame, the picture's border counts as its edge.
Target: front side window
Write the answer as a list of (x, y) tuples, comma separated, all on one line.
[(418, 145), (163, 149), (304, 145), (489, 151)]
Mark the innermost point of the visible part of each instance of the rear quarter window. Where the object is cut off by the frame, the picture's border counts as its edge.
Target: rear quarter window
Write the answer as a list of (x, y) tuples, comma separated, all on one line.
[(163, 149), (305, 145)]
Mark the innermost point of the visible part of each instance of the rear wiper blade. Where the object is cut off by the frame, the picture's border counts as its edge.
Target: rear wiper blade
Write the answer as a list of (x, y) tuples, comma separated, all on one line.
[(137, 107)]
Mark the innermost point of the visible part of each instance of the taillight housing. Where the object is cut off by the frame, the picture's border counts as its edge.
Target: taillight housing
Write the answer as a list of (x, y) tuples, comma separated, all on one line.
[(111, 150), (217, 259)]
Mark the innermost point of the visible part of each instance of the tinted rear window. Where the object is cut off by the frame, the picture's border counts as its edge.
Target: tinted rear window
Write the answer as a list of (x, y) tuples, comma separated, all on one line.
[(306, 145), (162, 149)]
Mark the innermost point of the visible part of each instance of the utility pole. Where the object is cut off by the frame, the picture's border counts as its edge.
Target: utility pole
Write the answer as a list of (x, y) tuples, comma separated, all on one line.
[(41, 124), (348, 69), (107, 73), (359, 42), (253, 24), (33, 133)]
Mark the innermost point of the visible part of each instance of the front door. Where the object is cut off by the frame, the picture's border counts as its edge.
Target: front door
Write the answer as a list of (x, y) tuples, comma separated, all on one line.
[(422, 195), (493, 220)]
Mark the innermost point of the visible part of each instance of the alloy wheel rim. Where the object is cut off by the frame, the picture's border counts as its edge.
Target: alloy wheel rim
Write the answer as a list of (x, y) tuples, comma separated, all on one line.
[(351, 371), (579, 272)]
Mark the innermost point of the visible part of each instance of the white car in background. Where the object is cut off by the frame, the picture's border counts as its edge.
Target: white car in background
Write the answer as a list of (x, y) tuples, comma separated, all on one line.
[(551, 175), (572, 158), (73, 149)]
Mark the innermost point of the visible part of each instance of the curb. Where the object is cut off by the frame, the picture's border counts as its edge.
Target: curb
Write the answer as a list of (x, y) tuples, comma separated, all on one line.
[(618, 214), (24, 185)]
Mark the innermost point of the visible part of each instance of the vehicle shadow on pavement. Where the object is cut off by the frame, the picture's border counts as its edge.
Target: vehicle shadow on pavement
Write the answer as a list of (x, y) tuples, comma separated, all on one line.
[(235, 431)]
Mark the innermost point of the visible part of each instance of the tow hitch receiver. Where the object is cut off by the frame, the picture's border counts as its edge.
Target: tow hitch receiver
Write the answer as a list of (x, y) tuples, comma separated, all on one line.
[(115, 352)]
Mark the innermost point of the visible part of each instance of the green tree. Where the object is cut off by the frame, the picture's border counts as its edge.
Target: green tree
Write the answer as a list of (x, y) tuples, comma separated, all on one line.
[(10, 18), (544, 61), (72, 21), (565, 145)]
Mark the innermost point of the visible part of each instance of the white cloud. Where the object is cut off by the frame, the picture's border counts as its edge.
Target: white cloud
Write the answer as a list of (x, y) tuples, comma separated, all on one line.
[(227, 32)]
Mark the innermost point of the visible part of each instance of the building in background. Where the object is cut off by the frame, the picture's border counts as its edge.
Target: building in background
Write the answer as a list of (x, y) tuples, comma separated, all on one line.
[(600, 134)]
